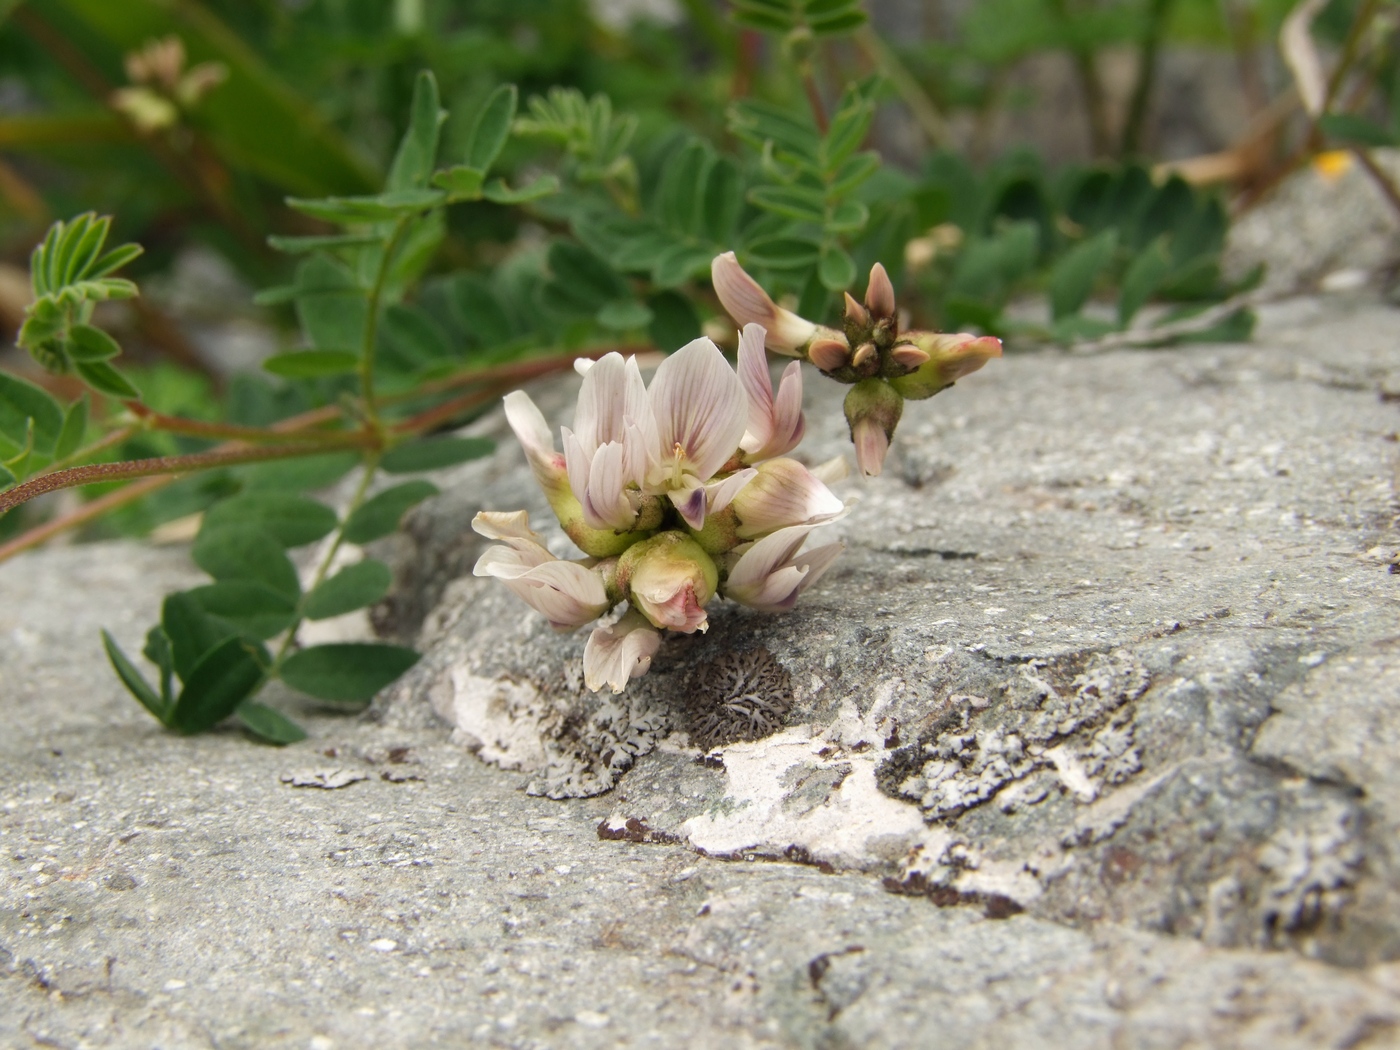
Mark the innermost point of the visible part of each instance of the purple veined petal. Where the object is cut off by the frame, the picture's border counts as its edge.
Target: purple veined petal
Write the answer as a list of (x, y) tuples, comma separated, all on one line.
[(607, 497), (788, 422), (699, 405), (689, 501), (578, 463), (772, 573), (719, 494), (758, 389), (509, 563), (602, 403), (784, 493), (765, 557), (872, 445), (618, 653), (566, 593), (639, 450)]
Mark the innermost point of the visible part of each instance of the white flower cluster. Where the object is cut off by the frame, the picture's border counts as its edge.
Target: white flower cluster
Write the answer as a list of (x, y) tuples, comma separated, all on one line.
[(675, 493)]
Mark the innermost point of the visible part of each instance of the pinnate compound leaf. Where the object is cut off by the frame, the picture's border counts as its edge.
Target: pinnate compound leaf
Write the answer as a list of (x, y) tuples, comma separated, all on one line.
[(189, 631), (837, 269), (268, 724), (434, 453), (1074, 275), (253, 608), (1145, 274), (492, 127), (312, 364), (221, 680), (293, 521), (353, 587), (316, 243), (245, 552), (347, 672), (461, 183), (380, 515), (380, 207), (134, 680), (158, 650)]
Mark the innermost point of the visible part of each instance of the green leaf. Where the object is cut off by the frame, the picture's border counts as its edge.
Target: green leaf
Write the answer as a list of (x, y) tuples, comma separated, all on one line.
[(417, 153), (1145, 274), (277, 295), (837, 269), (159, 651), (461, 183), (293, 521), (783, 253), (91, 344), (1350, 127), (254, 608), (414, 337), (380, 207), (221, 680), (1073, 277), (331, 242), (349, 672), (674, 321), (189, 631), (793, 202), (75, 422), (105, 379), (491, 127), (245, 552), (498, 192), (624, 315), (847, 131), (848, 217), (21, 401), (305, 472), (312, 364), (330, 306), (380, 515), (434, 453), (268, 724), (351, 588), (134, 681), (113, 260), (723, 201)]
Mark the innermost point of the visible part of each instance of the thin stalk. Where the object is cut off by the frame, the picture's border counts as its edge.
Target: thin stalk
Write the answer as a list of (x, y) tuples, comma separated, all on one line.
[(1158, 14), (116, 437), (231, 431), (372, 323), (910, 91), (1358, 29), (90, 511), (141, 468), (814, 98), (356, 499), (1379, 176)]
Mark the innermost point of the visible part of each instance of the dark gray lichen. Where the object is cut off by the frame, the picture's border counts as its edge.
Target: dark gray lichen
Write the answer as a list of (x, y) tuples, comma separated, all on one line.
[(739, 696)]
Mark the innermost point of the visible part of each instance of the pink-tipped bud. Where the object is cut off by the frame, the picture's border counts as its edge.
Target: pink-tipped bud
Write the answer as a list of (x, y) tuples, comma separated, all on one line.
[(748, 303), (951, 356), (873, 409), (865, 356), (879, 294), (828, 354), (856, 314), (910, 357), (669, 579)]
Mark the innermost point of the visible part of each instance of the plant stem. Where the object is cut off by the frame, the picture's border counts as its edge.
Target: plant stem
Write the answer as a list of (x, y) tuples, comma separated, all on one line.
[(116, 437), (1379, 176), (1349, 48), (814, 98), (371, 464), (910, 91), (376, 293), (199, 428), (89, 511), (142, 468), (1089, 85), (1158, 13)]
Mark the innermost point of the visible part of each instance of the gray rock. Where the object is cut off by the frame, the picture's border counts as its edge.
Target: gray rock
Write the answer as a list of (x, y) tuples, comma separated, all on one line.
[(1198, 543)]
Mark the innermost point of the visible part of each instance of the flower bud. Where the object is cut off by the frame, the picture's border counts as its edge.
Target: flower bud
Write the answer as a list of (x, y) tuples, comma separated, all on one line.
[(908, 356), (866, 358), (748, 303), (669, 578), (950, 357), (879, 294), (784, 493), (856, 315), (828, 354), (873, 408)]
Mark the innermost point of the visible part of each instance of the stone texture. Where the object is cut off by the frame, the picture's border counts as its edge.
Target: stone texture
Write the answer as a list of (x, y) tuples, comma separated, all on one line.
[(1092, 740)]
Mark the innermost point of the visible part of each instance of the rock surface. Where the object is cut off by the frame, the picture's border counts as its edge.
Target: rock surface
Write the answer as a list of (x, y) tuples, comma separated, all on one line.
[(1092, 739)]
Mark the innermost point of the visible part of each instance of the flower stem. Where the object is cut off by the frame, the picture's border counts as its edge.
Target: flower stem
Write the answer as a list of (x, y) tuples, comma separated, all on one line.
[(376, 293)]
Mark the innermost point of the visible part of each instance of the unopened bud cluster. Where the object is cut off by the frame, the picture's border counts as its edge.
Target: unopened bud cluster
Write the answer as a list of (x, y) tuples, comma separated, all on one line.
[(675, 493), (883, 365)]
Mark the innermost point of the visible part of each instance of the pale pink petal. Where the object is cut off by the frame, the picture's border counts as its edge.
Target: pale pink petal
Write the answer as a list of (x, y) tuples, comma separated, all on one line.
[(784, 493), (505, 525), (508, 563), (699, 406), (565, 592), (719, 494), (583, 364), (614, 655), (772, 573), (606, 401), (607, 497), (872, 444), (533, 433), (748, 303), (758, 388), (578, 464), (764, 557)]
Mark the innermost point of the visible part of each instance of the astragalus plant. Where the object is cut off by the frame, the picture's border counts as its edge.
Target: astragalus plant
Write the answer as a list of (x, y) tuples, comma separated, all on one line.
[(675, 493)]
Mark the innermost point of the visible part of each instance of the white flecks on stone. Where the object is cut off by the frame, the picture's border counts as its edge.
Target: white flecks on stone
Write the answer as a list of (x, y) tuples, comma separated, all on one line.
[(383, 944)]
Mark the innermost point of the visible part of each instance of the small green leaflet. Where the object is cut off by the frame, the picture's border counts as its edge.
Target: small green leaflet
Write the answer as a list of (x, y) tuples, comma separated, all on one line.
[(349, 672)]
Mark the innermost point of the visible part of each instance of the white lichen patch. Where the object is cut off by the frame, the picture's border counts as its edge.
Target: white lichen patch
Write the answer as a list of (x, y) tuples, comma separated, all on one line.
[(798, 794)]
